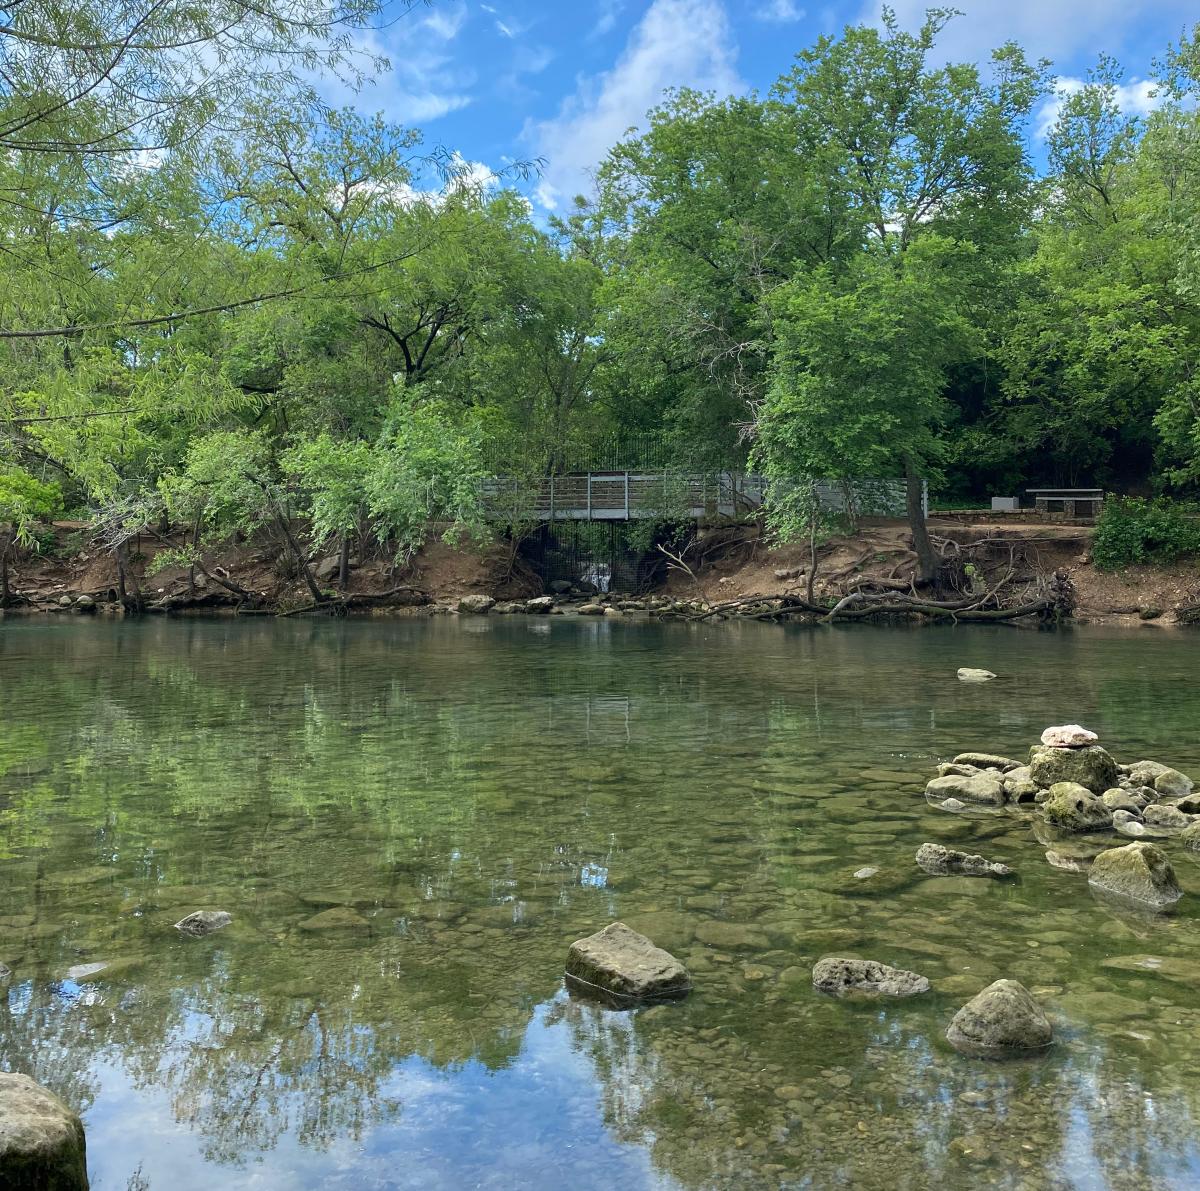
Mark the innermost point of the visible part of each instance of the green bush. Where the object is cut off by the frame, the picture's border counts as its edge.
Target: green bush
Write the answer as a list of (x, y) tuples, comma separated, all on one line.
[(1132, 529)]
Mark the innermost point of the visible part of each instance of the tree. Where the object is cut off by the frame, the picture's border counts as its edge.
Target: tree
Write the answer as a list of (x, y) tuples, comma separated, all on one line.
[(930, 165)]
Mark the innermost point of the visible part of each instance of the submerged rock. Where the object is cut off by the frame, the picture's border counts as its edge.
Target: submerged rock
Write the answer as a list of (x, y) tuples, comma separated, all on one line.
[(620, 964), (1068, 736), (986, 761), (1073, 807), (1068, 864), (1139, 872), (42, 1146), (973, 674), (203, 922), (1128, 824), (1092, 766), (336, 918), (1003, 1021), (984, 787), (939, 861), (476, 605), (839, 976)]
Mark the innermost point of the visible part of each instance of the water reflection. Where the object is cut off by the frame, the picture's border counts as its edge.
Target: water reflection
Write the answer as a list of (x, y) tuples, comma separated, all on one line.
[(469, 802)]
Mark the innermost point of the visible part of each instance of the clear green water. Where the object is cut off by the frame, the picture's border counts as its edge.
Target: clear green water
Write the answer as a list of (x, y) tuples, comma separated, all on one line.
[(480, 793)]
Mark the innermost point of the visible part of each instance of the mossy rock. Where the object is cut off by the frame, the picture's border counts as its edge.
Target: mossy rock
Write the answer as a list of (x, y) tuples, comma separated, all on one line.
[(1138, 872), (1073, 807), (1092, 766)]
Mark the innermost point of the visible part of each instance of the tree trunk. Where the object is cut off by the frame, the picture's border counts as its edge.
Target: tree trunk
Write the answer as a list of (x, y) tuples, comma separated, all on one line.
[(914, 492), (5, 546), (344, 562)]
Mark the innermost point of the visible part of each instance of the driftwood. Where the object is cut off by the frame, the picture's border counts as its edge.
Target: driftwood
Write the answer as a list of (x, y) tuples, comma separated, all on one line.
[(1054, 601)]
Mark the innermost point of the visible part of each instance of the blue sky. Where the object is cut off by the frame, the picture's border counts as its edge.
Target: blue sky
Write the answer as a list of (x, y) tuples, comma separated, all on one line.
[(504, 80)]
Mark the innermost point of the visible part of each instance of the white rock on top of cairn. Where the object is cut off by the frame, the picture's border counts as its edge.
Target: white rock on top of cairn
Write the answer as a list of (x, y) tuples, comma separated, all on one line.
[(1068, 736)]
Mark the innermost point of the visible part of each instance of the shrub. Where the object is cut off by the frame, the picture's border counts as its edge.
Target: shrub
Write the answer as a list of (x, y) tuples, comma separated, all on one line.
[(1132, 529)]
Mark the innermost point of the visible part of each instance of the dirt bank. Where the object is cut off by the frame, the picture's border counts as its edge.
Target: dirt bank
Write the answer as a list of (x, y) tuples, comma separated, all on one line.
[(723, 564)]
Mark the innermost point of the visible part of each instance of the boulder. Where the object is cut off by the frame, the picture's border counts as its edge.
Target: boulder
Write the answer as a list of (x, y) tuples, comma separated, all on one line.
[(1190, 804), (203, 922), (1072, 807), (956, 769), (1164, 815), (1117, 799), (1019, 786), (65, 601), (85, 603), (476, 605), (1068, 736), (613, 612), (983, 787), (326, 568), (840, 977), (939, 861), (540, 605), (1003, 1021), (622, 966), (1090, 766), (1144, 772), (1172, 784), (559, 586), (1137, 872), (986, 761), (507, 608), (591, 609), (1190, 838), (42, 1146), (971, 674)]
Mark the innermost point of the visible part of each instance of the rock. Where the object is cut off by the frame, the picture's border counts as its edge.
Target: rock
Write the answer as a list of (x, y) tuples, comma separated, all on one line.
[(507, 608), (85, 603), (1072, 807), (1068, 736), (1138, 872), (1190, 838), (65, 601), (863, 873), (1068, 864), (839, 977), (953, 805), (983, 787), (1128, 824), (1090, 766), (1172, 784), (1121, 800), (613, 612), (731, 936), (1003, 1021), (1150, 613), (326, 569), (939, 861), (540, 605), (559, 586), (618, 963), (1189, 804), (986, 761), (971, 674), (591, 609), (337, 918), (954, 769), (476, 605), (1019, 786), (1165, 815), (203, 922), (42, 1146)]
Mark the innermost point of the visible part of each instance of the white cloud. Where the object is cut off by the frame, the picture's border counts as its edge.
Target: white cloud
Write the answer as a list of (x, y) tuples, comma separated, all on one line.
[(780, 12), (606, 17), (1056, 29), (446, 22), (677, 43), (1135, 98)]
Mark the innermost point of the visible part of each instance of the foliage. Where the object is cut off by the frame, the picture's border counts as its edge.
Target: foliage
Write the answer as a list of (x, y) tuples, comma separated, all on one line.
[(1135, 530)]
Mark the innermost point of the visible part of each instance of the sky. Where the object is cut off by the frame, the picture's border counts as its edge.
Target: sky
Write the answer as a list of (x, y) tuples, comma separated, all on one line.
[(560, 81)]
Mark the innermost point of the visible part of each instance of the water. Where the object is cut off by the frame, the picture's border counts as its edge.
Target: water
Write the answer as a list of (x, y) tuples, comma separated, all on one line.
[(468, 797)]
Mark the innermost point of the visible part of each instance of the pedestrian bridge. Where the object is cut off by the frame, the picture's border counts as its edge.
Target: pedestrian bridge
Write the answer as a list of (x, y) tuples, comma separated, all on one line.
[(662, 495)]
